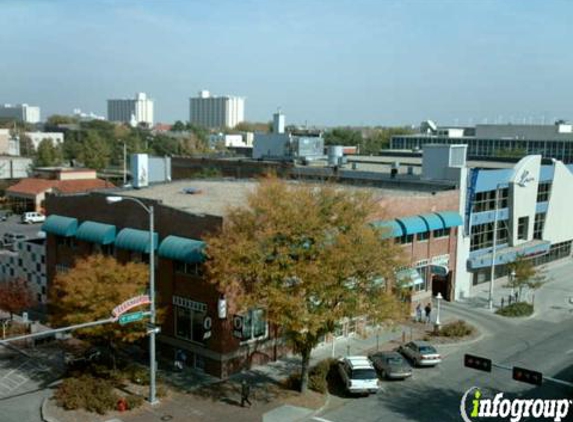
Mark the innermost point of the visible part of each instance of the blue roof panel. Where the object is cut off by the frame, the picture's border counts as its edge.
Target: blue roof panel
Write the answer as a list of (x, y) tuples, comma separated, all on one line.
[(182, 249), (135, 240), (433, 221), (61, 226), (412, 225), (91, 231), (390, 228), (451, 218)]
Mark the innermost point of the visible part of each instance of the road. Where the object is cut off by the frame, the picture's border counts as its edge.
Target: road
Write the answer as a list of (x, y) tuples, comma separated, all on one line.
[(543, 343)]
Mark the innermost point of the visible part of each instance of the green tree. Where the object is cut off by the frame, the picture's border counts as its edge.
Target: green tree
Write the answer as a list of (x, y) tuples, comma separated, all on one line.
[(26, 146), (178, 126), (306, 257), (59, 119), (90, 290), (343, 136), (526, 275), (94, 152), (48, 154)]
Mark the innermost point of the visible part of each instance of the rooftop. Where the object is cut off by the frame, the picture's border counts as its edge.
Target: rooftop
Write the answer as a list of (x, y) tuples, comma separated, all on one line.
[(35, 186), (215, 197)]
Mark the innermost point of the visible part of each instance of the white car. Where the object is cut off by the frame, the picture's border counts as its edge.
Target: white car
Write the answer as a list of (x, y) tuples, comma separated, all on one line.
[(33, 217), (358, 375)]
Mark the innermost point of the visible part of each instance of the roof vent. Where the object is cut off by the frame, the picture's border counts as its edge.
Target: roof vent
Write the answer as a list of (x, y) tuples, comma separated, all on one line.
[(192, 191)]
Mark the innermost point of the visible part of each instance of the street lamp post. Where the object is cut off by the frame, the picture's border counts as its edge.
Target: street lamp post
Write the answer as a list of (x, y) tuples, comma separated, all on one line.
[(493, 250), (152, 331), (439, 298), (511, 280)]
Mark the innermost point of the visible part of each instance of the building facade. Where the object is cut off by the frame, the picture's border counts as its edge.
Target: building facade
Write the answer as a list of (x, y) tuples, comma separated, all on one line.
[(36, 137), (20, 112), (216, 112), (137, 111), (501, 140)]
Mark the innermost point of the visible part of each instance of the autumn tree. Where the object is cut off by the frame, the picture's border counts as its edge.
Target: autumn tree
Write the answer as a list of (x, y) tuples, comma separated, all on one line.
[(15, 296), (91, 289), (526, 275), (306, 256), (48, 154)]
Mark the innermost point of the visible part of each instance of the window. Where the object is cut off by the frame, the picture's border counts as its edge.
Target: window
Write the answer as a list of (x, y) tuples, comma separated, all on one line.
[(543, 191), (254, 325), (189, 324), (189, 268), (522, 228), (20, 262), (39, 297), (482, 235), (407, 238), (65, 241), (442, 233), (107, 250), (485, 201), (422, 236), (538, 226)]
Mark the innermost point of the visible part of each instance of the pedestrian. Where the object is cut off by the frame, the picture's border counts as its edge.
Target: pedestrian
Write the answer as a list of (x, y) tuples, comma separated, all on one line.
[(509, 299), (245, 392), (516, 296), (419, 313), (428, 310), (502, 302), (180, 358)]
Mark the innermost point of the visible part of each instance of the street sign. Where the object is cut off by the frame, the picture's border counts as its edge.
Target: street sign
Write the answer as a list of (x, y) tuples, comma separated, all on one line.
[(132, 317), (129, 304)]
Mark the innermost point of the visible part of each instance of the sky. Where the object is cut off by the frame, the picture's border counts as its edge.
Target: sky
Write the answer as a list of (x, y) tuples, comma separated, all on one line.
[(329, 62)]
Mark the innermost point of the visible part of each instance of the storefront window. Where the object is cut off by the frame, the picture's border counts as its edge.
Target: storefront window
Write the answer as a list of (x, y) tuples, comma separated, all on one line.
[(254, 325), (189, 324)]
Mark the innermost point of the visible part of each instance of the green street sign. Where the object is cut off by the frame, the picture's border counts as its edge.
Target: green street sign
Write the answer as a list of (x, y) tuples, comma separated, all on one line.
[(131, 317)]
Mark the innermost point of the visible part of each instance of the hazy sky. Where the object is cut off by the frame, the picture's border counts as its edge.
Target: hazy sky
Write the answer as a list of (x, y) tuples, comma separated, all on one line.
[(327, 62)]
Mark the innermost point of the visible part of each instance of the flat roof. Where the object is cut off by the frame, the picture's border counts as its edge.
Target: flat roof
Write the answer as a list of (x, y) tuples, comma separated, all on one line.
[(215, 197)]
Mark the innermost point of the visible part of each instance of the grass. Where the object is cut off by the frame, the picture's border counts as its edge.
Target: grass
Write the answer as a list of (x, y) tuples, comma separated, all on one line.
[(519, 309)]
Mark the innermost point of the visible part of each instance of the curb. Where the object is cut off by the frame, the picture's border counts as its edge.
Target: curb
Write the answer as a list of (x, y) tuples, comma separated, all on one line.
[(44, 411)]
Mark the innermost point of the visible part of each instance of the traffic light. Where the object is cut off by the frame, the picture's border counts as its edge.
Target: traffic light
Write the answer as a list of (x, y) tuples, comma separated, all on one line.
[(476, 362), (527, 375)]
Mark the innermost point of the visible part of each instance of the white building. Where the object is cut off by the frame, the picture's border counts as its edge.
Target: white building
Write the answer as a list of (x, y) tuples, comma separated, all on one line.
[(231, 140), (133, 111), (9, 144), (28, 262), (86, 117), (216, 112), (20, 112), (37, 137)]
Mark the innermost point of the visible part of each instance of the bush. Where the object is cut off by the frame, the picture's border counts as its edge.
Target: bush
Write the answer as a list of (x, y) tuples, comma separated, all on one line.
[(138, 374), (87, 392), (518, 309), (133, 401), (457, 328), (317, 377)]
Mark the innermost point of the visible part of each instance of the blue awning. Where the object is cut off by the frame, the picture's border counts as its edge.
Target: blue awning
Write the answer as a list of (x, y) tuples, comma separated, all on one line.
[(135, 240), (94, 232), (433, 221), (390, 228), (412, 225), (61, 226), (182, 249), (450, 218)]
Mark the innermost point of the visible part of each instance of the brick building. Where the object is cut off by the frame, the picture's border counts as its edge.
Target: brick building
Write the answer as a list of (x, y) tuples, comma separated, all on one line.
[(185, 211)]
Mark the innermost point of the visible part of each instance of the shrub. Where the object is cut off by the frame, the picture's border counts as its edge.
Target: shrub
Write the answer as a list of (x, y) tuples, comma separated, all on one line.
[(317, 377), (87, 392), (133, 401), (457, 328), (161, 391), (518, 309), (293, 381), (138, 374)]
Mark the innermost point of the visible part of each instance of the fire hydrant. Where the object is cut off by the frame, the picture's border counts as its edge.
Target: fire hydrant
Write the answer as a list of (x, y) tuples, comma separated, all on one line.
[(122, 405)]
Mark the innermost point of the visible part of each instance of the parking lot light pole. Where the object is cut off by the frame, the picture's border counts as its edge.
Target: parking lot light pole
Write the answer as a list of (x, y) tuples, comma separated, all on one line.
[(152, 331), (437, 324)]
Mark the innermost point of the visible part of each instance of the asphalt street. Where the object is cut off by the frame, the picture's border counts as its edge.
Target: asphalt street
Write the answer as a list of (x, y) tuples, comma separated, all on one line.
[(543, 343)]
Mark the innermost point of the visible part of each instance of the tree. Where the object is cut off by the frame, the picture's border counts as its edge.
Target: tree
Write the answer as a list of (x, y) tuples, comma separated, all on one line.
[(178, 126), (26, 146), (343, 136), (95, 152), (15, 296), (60, 119), (89, 292), (305, 255), (48, 154), (526, 275)]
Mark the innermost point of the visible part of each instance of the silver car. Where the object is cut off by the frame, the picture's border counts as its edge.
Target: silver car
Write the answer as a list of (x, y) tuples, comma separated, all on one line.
[(421, 353), (391, 365)]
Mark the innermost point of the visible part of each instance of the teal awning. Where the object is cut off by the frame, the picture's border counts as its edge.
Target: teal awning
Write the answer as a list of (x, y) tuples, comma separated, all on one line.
[(450, 218), (433, 221), (412, 225), (135, 240), (61, 226), (94, 232), (391, 228), (182, 249), (409, 277)]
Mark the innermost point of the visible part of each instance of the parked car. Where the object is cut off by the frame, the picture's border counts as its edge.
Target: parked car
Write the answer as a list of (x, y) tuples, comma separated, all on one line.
[(33, 217), (10, 239), (391, 365), (421, 353), (358, 375), (4, 214)]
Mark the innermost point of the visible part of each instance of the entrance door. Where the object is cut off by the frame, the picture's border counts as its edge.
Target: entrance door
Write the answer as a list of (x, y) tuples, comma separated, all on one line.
[(441, 285)]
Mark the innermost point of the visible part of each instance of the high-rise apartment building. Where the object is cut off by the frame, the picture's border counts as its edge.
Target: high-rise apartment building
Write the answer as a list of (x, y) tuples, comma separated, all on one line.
[(216, 112), (20, 112), (133, 111)]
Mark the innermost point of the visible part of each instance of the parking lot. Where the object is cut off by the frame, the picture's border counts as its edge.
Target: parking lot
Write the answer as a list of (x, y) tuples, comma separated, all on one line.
[(13, 225)]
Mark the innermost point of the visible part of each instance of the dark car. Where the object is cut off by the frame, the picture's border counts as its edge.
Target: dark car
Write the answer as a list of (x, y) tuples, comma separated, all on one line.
[(391, 365)]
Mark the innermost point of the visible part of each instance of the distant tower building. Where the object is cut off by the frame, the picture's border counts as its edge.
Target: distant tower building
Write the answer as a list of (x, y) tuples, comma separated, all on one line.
[(278, 122), (216, 112), (20, 112), (133, 112)]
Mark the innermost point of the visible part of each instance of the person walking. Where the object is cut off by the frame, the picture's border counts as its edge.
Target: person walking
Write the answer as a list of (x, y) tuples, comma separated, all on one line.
[(428, 311), (419, 313), (245, 392)]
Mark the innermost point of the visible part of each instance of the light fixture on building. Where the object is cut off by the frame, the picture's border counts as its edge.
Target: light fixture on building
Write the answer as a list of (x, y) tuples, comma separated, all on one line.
[(222, 307)]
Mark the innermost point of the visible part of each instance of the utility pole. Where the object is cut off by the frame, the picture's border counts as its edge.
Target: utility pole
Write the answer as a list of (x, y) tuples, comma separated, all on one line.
[(124, 163)]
